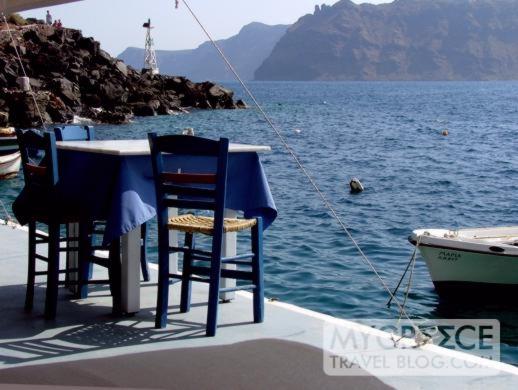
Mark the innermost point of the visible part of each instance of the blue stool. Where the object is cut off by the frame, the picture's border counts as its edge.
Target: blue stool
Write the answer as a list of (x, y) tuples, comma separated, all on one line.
[(201, 191)]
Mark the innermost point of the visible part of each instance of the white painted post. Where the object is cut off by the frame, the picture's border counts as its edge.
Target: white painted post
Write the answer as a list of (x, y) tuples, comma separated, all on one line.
[(130, 272), (24, 83), (229, 249)]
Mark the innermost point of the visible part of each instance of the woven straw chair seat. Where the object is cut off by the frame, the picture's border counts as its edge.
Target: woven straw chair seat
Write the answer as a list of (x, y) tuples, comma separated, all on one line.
[(197, 224)]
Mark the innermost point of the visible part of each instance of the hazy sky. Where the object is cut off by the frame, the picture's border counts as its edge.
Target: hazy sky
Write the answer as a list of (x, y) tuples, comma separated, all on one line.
[(117, 23)]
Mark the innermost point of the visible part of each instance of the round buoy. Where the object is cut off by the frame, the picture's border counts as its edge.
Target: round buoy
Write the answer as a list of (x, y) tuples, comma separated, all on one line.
[(445, 133), (356, 186), (188, 131)]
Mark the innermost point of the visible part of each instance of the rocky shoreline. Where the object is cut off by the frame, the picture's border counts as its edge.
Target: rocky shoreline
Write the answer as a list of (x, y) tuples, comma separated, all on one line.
[(71, 76)]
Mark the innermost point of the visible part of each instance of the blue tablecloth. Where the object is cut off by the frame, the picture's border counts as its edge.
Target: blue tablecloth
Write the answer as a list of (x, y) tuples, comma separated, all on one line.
[(120, 189)]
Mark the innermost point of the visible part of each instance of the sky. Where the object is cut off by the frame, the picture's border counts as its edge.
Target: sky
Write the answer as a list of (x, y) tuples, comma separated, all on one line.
[(117, 24)]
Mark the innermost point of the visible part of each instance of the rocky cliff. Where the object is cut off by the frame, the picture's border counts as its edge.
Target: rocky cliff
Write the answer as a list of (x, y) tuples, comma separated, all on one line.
[(403, 40), (246, 50), (71, 75)]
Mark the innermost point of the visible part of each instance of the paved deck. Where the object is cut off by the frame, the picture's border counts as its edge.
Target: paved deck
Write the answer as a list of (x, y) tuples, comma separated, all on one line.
[(87, 346)]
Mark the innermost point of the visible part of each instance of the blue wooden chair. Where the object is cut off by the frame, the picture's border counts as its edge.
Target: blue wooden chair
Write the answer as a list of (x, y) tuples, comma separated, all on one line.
[(41, 178), (87, 133), (74, 133), (201, 191)]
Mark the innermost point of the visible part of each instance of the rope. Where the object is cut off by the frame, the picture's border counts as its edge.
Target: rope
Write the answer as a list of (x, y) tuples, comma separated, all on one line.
[(8, 217), (23, 69), (297, 160), (421, 338), (410, 277), (412, 259)]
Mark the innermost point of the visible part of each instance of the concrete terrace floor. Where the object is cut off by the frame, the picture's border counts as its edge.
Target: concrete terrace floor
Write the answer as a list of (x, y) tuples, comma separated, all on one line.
[(87, 346)]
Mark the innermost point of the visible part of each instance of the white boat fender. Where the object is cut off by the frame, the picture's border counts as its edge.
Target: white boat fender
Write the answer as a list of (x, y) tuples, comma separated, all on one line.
[(24, 83), (356, 186)]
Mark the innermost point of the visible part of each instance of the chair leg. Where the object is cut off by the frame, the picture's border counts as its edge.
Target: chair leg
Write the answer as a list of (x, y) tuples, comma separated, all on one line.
[(163, 278), (91, 227), (31, 272), (114, 271), (84, 258), (67, 265), (143, 253), (52, 272), (258, 271), (215, 278), (185, 301), (89, 273)]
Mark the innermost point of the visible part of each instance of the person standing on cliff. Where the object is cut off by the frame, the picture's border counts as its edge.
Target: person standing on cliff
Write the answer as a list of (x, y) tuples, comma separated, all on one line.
[(49, 18)]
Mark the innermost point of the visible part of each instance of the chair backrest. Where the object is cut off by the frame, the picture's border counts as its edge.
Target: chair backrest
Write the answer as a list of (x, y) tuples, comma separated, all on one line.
[(74, 133), (39, 158), (189, 190)]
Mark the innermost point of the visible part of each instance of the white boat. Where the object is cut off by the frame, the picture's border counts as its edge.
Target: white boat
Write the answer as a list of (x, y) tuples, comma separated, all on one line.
[(468, 262), (10, 165), (8, 145), (10, 158)]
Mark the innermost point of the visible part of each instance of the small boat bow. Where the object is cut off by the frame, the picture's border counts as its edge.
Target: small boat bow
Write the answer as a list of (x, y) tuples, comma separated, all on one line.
[(466, 261)]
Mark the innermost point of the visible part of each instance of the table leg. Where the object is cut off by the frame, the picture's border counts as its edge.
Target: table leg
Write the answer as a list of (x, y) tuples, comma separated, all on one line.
[(229, 249), (72, 258), (173, 241), (130, 272)]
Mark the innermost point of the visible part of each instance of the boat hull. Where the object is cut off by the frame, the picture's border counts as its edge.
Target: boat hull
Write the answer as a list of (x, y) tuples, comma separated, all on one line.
[(8, 145), (477, 292), (10, 165), (466, 267)]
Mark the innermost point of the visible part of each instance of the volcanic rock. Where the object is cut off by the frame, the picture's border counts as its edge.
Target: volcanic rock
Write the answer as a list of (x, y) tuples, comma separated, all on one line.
[(4, 119), (143, 109), (67, 91), (70, 75)]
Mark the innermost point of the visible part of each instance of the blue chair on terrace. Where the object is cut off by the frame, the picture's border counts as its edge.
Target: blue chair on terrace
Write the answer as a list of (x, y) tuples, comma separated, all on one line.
[(41, 178), (74, 133), (87, 133), (201, 191)]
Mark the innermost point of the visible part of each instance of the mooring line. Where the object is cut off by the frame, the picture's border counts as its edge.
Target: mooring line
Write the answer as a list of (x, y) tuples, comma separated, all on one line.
[(297, 160)]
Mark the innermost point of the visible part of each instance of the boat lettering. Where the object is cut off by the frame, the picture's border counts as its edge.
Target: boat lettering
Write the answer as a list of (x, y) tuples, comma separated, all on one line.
[(449, 256)]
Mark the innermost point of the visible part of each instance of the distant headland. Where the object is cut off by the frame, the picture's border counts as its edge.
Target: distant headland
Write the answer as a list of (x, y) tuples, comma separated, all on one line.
[(405, 40), (402, 40)]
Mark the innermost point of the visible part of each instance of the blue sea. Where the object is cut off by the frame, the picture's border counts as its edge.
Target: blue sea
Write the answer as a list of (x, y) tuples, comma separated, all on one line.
[(389, 136)]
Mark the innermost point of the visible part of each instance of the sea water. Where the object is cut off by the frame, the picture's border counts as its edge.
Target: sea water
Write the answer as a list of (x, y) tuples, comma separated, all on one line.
[(389, 135)]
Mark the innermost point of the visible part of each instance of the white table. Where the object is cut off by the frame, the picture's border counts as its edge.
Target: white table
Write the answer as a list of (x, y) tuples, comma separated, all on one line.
[(130, 242), (137, 147)]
